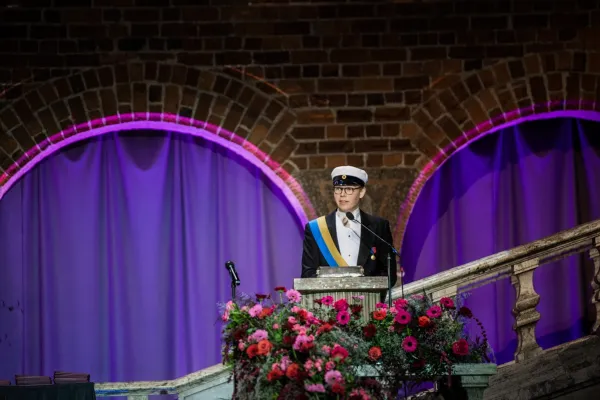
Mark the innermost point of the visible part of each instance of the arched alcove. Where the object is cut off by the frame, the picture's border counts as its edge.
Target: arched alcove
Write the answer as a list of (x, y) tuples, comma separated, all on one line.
[(128, 290), (520, 182)]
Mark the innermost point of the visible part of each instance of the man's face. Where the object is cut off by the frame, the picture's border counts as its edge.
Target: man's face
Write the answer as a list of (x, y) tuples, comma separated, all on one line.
[(348, 197)]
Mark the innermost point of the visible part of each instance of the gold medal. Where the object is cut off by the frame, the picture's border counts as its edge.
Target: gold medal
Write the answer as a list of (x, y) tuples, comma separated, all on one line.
[(373, 257)]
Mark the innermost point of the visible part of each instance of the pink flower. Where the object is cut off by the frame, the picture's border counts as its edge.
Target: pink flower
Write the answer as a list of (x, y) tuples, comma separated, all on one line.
[(259, 335), (434, 312), (314, 388), (329, 365), (319, 365), (255, 311), (381, 305), (393, 310), (245, 308), (409, 344), (332, 377), (309, 364), (361, 297), (285, 362), (400, 303), (225, 316), (229, 306), (417, 297), (343, 317), (241, 345), (303, 342), (326, 349), (293, 296), (295, 309), (327, 300), (275, 326), (402, 317), (292, 320)]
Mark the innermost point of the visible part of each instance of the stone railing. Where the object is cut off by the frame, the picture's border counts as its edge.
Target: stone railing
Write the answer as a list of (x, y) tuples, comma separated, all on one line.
[(211, 383), (519, 264)]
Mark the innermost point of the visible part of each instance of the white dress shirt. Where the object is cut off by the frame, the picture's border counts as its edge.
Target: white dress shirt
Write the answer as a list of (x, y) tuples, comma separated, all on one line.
[(348, 236)]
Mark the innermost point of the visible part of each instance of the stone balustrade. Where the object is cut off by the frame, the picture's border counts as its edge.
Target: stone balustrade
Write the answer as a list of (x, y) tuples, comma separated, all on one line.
[(518, 264)]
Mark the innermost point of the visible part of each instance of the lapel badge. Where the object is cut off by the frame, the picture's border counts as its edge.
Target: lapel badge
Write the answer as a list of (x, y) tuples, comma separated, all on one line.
[(373, 251), (343, 176)]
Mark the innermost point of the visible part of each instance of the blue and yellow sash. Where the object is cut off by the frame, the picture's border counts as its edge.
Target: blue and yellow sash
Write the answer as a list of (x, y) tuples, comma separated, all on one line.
[(325, 242)]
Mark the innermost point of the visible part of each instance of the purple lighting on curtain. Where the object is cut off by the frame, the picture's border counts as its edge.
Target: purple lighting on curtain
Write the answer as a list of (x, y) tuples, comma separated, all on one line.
[(167, 122), (115, 249), (524, 183)]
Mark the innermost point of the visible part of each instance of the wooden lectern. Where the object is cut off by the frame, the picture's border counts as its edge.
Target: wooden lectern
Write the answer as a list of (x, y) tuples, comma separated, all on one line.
[(343, 283)]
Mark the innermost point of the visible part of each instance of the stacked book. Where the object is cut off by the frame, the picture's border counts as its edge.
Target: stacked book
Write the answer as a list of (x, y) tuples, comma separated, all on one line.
[(27, 380), (4, 383), (61, 377)]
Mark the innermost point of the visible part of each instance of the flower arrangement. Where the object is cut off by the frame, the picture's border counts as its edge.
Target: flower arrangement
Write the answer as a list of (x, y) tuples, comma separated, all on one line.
[(432, 338), (280, 350)]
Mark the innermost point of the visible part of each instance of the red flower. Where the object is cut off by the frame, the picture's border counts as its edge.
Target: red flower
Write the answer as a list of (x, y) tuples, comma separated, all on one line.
[(318, 301), (288, 340), (324, 328), (337, 388), (341, 305), (424, 322), (292, 371), (465, 312), (447, 302), (252, 351), (369, 331), (409, 344), (434, 312), (380, 314), (356, 309), (343, 317), (260, 297), (264, 347), (460, 347), (374, 353), (419, 363), (265, 312), (275, 373), (339, 353), (403, 317), (280, 289)]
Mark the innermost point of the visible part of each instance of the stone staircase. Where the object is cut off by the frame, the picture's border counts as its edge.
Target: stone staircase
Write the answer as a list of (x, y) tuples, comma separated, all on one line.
[(569, 371)]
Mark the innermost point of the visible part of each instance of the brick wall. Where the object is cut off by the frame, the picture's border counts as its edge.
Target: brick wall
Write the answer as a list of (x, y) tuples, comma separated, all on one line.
[(385, 85)]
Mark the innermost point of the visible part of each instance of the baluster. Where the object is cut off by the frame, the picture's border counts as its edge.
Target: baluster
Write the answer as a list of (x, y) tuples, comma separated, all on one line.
[(526, 316), (595, 256)]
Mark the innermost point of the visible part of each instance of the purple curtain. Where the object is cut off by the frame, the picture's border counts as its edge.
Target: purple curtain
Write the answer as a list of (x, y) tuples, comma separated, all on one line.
[(114, 249), (507, 189)]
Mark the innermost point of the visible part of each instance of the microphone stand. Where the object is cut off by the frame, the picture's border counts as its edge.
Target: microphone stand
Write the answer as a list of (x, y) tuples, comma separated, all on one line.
[(392, 250)]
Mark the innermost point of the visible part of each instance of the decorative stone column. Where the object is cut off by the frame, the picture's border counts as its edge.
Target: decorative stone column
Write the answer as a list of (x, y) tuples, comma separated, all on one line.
[(526, 315), (595, 256)]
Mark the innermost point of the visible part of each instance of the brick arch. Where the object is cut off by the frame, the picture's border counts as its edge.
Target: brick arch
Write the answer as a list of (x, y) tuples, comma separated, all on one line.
[(476, 104), (214, 101)]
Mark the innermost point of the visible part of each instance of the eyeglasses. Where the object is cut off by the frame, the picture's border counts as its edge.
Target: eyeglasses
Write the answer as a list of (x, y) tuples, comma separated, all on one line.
[(346, 189)]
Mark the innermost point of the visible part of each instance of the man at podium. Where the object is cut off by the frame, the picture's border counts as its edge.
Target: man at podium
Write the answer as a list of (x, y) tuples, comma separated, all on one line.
[(339, 239)]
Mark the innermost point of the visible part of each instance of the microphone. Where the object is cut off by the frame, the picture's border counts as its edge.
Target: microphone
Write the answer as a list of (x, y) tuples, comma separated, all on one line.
[(235, 279), (350, 216)]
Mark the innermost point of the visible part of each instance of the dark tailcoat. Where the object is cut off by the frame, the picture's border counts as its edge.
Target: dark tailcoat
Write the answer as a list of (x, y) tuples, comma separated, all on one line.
[(312, 257)]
